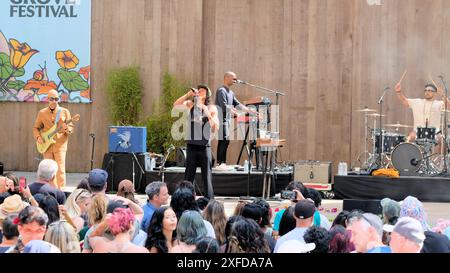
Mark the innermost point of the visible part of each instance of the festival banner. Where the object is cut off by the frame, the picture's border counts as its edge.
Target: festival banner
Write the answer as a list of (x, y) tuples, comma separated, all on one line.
[(45, 45)]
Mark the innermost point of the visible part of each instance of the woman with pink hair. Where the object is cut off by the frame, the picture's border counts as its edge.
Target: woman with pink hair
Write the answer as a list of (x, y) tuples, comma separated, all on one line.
[(120, 225)]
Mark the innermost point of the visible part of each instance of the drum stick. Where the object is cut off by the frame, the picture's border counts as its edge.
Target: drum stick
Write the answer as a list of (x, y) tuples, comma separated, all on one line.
[(431, 78), (401, 79)]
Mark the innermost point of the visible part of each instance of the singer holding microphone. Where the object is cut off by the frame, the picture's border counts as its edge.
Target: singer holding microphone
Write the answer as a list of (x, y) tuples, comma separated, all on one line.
[(426, 111), (227, 103), (202, 123)]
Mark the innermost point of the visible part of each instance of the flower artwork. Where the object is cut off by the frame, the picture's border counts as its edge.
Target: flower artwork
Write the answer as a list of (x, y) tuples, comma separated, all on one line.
[(71, 82)]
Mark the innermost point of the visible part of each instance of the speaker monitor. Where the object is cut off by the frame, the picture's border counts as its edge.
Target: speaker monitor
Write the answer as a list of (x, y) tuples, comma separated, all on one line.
[(372, 206), (181, 157), (1, 168), (120, 166), (309, 171)]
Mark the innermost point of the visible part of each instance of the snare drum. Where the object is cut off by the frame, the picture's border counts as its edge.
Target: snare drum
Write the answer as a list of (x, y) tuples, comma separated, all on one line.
[(426, 134)]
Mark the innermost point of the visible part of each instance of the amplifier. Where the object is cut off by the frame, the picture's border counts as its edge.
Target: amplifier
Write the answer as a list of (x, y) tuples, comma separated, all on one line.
[(127, 139), (309, 171)]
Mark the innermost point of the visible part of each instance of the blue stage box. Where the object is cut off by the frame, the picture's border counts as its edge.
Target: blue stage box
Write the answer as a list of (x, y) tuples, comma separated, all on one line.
[(127, 139)]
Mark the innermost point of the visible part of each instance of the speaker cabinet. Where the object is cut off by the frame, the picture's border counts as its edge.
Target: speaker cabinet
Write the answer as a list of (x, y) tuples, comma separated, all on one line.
[(120, 166), (372, 206), (1, 168), (315, 172)]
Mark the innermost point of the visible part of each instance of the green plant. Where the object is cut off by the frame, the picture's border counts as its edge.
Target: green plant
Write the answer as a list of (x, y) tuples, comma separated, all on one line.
[(159, 124), (125, 92)]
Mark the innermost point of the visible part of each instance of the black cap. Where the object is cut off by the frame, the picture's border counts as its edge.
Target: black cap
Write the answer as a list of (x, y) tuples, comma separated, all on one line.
[(304, 209)]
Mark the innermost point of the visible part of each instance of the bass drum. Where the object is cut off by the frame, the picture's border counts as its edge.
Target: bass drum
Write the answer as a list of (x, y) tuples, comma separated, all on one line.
[(406, 158)]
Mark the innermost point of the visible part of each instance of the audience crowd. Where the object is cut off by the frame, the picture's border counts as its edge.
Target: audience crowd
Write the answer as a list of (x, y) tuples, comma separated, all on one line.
[(42, 219)]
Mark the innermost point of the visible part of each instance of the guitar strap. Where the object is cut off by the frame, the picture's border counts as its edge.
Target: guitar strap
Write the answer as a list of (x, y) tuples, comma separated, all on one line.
[(58, 115)]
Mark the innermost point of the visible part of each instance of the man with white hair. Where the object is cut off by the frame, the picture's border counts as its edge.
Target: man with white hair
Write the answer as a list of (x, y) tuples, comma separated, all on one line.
[(407, 236), (366, 233), (45, 120), (46, 174)]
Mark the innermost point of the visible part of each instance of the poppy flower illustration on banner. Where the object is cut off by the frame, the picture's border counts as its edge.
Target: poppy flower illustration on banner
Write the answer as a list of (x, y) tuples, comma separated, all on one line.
[(45, 45)]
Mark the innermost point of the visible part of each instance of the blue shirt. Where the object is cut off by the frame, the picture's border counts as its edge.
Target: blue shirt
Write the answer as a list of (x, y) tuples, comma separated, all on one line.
[(380, 249), (149, 209)]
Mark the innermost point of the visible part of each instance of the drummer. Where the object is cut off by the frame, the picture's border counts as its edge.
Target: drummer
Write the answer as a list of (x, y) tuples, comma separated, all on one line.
[(426, 111)]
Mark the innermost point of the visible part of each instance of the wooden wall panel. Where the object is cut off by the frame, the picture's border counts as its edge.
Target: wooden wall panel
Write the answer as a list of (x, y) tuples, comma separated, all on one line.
[(330, 57)]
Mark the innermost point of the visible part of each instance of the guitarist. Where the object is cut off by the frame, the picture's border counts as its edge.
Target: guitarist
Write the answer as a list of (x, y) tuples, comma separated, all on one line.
[(45, 119)]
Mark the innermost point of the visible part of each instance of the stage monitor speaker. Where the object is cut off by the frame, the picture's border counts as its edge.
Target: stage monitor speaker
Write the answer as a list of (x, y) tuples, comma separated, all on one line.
[(309, 171), (120, 166), (372, 206), (1, 168), (181, 157)]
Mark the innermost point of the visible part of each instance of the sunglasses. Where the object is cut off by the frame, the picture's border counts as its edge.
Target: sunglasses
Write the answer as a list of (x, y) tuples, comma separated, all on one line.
[(53, 99)]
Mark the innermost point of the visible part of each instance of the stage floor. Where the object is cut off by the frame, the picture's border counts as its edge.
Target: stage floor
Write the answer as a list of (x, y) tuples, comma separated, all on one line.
[(225, 183), (430, 189)]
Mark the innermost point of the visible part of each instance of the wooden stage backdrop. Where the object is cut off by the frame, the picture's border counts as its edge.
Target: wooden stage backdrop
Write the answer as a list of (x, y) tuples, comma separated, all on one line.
[(331, 57)]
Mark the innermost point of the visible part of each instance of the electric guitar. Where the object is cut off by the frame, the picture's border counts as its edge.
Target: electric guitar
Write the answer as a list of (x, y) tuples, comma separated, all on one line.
[(48, 137)]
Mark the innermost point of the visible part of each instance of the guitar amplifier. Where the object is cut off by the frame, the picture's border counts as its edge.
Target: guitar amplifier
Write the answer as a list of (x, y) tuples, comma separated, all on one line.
[(310, 171), (127, 139)]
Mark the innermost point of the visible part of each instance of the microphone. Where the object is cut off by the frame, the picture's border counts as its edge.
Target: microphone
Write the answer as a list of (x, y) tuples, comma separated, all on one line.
[(171, 148), (239, 81), (441, 77), (195, 95), (387, 88)]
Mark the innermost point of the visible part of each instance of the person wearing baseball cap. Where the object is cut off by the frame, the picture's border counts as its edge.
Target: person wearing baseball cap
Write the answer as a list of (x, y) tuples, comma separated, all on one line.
[(303, 214), (97, 180), (407, 236)]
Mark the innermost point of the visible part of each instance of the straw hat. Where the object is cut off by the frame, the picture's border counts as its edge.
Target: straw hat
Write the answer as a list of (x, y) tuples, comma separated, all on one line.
[(11, 204)]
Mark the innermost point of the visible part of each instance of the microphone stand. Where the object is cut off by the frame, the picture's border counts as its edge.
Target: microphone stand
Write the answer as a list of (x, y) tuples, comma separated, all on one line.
[(380, 102), (277, 94), (445, 169), (161, 168), (92, 135)]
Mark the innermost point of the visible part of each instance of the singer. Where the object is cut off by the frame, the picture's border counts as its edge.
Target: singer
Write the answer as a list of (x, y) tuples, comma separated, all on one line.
[(203, 121), (426, 111), (227, 104)]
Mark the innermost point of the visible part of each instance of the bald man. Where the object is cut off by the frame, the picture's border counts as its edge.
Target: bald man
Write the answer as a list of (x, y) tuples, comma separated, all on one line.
[(45, 119), (227, 104)]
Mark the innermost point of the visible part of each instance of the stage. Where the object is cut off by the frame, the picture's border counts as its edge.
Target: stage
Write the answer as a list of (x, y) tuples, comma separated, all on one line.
[(428, 189), (225, 183)]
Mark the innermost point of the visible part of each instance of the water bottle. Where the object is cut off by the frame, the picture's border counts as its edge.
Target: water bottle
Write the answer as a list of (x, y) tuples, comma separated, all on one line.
[(152, 163), (340, 168), (344, 168), (246, 166)]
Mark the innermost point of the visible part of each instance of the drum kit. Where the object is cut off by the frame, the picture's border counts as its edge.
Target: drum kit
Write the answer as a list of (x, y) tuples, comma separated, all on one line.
[(409, 158)]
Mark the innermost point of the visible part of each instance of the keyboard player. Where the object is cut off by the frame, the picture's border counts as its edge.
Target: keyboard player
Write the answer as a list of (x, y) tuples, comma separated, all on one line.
[(228, 105)]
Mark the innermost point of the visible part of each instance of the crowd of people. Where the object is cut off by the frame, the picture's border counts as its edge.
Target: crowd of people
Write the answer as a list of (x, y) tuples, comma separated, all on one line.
[(40, 219)]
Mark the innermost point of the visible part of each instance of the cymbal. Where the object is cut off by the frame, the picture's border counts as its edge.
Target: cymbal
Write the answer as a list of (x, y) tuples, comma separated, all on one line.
[(398, 125), (366, 110), (376, 115)]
